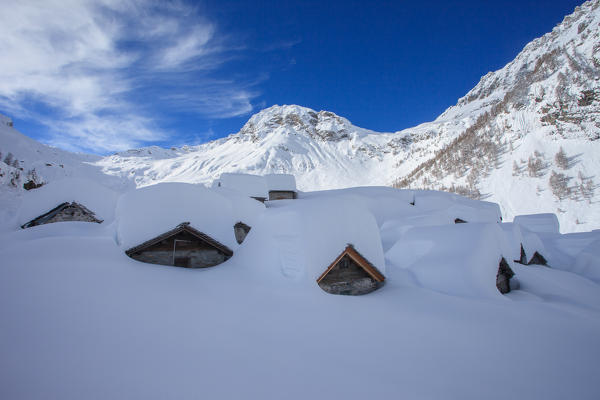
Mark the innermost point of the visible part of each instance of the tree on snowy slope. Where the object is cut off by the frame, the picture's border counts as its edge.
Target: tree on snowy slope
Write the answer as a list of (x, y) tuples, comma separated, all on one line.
[(561, 159), (559, 183)]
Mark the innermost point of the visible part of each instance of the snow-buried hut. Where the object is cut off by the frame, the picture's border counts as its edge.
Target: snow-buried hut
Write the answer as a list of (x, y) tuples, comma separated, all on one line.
[(281, 186), (182, 246), (527, 246), (471, 260), (301, 240), (345, 254), (67, 200), (177, 224), (350, 274)]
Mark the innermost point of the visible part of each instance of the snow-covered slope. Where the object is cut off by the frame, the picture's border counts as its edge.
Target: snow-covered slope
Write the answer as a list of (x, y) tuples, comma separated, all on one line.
[(26, 161), (525, 137), (533, 128)]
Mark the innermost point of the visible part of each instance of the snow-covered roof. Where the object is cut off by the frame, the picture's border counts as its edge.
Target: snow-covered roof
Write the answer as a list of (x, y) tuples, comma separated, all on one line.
[(458, 259), (247, 184), (587, 262), (145, 213), (97, 198), (329, 226), (300, 240), (541, 223), (286, 182), (245, 209), (518, 236)]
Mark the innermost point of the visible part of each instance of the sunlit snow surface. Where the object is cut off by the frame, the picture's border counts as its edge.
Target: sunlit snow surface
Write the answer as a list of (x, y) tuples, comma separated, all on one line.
[(81, 320)]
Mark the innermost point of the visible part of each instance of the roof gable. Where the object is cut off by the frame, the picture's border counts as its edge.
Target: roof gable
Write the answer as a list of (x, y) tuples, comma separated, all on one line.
[(44, 218), (362, 262), (184, 226)]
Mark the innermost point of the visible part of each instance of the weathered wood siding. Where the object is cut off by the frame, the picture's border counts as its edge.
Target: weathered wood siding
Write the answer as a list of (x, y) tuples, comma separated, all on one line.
[(348, 278), (71, 213), (282, 195), (182, 250)]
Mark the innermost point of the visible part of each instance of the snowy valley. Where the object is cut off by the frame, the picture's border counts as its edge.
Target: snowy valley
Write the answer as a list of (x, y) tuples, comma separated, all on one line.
[(305, 257)]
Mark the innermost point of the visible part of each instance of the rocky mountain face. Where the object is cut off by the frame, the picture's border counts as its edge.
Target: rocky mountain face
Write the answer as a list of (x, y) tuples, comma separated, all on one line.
[(526, 137), (532, 136)]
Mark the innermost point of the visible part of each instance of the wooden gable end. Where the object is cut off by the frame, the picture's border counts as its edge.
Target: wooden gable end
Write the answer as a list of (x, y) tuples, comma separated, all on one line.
[(183, 227), (362, 262)]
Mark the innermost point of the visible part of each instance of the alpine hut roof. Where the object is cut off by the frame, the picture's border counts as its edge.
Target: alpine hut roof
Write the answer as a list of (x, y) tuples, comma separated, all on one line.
[(351, 252), (44, 218), (184, 226)]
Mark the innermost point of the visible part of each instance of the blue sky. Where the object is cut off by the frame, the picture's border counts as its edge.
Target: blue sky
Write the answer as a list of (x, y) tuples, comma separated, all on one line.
[(106, 75)]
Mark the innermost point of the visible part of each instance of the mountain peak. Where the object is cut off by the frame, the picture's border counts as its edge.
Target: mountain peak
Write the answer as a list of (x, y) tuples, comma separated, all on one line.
[(294, 119)]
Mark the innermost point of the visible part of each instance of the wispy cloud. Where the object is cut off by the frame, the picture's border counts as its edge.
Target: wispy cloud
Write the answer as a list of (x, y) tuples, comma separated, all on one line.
[(90, 64)]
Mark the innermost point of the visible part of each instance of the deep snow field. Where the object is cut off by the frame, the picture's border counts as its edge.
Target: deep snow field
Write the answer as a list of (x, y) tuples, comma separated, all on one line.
[(81, 320)]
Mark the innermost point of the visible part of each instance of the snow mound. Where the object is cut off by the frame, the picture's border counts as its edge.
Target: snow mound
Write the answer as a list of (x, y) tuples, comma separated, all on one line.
[(300, 239), (245, 209), (329, 226), (153, 210), (281, 182), (541, 223), (247, 184), (518, 236), (97, 198), (460, 259), (384, 203), (587, 263)]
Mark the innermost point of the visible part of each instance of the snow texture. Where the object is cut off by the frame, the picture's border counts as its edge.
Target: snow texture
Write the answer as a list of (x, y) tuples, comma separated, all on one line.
[(459, 259), (285, 182), (542, 223), (247, 184)]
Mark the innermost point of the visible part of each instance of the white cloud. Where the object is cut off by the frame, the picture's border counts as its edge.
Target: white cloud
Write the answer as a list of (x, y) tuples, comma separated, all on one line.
[(88, 60)]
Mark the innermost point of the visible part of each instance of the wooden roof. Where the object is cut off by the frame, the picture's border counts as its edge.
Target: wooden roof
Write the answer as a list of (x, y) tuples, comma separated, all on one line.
[(184, 226), (40, 220), (351, 252)]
